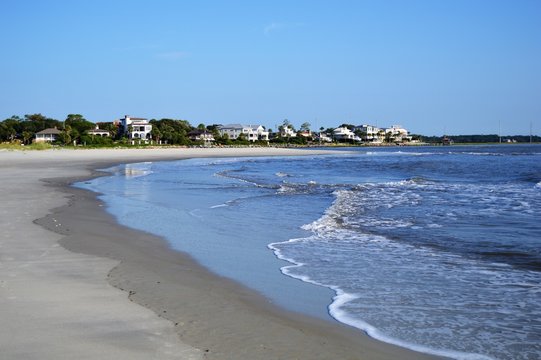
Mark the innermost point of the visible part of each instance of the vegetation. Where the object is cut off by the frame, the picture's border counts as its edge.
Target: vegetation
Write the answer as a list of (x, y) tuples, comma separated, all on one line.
[(19, 133), (19, 146), (23, 129), (170, 131)]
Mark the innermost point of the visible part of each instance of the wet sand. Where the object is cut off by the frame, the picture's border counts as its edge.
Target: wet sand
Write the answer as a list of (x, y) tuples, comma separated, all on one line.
[(75, 284)]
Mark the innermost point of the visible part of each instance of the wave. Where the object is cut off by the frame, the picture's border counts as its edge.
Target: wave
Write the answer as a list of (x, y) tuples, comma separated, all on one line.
[(342, 298), (401, 153), (476, 153), (344, 230), (337, 312)]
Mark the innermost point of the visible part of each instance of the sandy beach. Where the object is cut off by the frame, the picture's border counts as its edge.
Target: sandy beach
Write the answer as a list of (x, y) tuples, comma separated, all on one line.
[(75, 284)]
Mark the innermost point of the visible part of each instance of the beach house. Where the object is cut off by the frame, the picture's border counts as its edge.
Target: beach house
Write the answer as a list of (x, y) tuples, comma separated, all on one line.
[(287, 132), (370, 133), (397, 133), (48, 135), (202, 136), (343, 133), (323, 137), (136, 128), (98, 132), (251, 132)]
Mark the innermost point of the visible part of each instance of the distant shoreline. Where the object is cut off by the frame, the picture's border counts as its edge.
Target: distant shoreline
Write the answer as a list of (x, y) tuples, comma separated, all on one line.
[(40, 147)]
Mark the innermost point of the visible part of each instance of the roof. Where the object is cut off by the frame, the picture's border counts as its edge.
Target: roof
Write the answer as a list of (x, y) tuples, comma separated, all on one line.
[(239, 126), (231, 126), (53, 131), (199, 132)]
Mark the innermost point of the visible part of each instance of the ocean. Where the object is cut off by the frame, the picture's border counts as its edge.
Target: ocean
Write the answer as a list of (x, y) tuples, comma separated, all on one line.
[(437, 249)]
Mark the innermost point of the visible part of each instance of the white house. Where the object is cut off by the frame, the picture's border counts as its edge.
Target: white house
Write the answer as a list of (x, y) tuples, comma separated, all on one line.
[(136, 128), (202, 135), (98, 132), (48, 135), (322, 137), (251, 132), (397, 133), (371, 132), (344, 133), (287, 131)]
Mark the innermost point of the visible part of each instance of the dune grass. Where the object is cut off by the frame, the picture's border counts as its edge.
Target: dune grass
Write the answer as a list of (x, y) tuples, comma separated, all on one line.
[(18, 146)]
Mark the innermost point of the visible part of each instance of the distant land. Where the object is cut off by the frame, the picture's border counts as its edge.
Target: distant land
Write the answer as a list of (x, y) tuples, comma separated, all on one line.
[(480, 139)]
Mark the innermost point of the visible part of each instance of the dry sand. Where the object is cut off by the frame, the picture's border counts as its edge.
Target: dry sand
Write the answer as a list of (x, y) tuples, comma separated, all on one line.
[(92, 289)]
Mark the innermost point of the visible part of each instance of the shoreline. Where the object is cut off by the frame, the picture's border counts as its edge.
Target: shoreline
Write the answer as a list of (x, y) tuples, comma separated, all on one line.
[(214, 317)]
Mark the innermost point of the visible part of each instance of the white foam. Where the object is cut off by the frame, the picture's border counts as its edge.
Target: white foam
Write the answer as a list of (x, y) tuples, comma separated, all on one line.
[(218, 206), (342, 298)]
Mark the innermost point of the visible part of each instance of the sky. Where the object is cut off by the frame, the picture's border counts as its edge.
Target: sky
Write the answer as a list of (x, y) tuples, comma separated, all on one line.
[(433, 66)]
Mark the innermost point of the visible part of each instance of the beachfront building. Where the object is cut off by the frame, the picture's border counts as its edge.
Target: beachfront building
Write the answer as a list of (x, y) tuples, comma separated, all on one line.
[(135, 128), (305, 133), (48, 135), (204, 136), (344, 133), (397, 133), (287, 131), (98, 132), (251, 132), (370, 133), (323, 138)]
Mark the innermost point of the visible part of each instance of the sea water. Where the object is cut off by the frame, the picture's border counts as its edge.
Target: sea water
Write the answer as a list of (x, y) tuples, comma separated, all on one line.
[(437, 249)]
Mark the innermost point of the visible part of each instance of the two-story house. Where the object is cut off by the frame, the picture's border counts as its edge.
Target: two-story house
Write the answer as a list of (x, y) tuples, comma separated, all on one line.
[(397, 133), (251, 132), (136, 128), (343, 133), (370, 133)]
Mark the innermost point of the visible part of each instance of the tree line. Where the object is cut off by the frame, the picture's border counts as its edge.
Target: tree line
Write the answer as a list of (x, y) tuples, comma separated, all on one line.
[(177, 132), (75, 127)]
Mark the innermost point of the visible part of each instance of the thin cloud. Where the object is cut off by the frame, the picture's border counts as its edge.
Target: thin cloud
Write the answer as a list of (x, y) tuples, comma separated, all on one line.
[(276, 26), (173, 55)]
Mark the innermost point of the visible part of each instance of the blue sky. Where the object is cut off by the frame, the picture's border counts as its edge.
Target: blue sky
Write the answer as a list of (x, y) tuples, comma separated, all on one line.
[(433, 66)]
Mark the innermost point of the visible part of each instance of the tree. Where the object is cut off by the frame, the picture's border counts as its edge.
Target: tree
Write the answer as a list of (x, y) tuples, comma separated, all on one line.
[(241, 137), (78, 124), (349, 126), (223, 140), (38, 122), (64, 137), (305, 126), (362, 134), (8, 128), (27, 137), (110, 127), (156, 134)]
